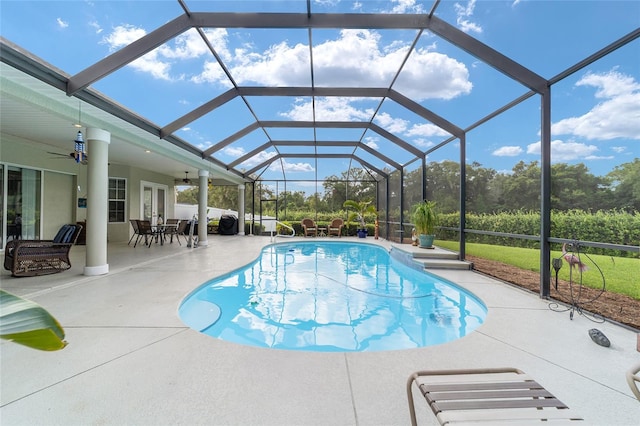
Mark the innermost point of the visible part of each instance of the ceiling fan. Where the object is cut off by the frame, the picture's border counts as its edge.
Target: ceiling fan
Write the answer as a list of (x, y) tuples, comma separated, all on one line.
[(185, 181), (71, 156)]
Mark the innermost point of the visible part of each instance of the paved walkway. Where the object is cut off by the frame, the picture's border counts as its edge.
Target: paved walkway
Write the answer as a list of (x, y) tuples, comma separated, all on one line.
[(130, 359)]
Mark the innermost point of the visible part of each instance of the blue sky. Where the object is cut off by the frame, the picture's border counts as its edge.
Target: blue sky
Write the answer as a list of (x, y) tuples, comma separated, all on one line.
[(595, 112)]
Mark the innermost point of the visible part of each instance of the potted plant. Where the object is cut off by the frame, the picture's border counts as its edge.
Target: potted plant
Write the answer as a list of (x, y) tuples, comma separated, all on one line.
[(425, 219), (360, 209)]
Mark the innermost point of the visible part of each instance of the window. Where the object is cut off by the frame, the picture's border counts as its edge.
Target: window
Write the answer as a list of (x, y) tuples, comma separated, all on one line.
[(117, 200)]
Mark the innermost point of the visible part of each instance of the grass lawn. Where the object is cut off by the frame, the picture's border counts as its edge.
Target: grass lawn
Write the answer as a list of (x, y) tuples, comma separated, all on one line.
[(622, 274)]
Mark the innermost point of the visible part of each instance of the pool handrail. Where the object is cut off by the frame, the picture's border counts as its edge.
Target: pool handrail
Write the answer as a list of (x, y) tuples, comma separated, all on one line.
[(293, 231)]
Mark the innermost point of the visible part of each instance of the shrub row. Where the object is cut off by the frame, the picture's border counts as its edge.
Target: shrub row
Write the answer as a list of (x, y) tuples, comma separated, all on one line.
[(613, 227)]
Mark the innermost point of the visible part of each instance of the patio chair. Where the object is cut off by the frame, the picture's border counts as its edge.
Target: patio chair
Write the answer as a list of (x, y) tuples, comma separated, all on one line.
[(486, 397), (145, 230), (27, 258), (309, 227), (633, 379), (335, 227), (136, 231), (178, 230)]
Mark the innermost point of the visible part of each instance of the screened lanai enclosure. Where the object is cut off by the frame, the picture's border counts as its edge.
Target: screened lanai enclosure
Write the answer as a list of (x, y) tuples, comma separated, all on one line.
[(312, 103)]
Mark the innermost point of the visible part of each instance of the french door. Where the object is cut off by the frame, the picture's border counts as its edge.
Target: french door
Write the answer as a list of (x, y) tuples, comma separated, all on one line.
[(153, 202)]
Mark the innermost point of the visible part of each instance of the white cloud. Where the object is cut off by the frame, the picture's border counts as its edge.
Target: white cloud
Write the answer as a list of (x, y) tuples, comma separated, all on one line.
[(463, 14), (187, 45), (423, 143), (212, 73), (328, 109), (325, 3), (290, 167), (95, 25), (426, 130), (371, 143), (150, 63), (619, 149), (279, 65), (406, 6), (566, 151), (258, 159), (432, 75), (61, 23), (356, 58), (123, 35), (158, 63), (617, 116), (234, 152), (345, 109), (508, 151), (391, 124)]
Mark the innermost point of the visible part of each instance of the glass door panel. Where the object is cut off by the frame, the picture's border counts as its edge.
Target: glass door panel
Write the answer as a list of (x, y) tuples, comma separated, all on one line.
[(154, 201), (23, 203)]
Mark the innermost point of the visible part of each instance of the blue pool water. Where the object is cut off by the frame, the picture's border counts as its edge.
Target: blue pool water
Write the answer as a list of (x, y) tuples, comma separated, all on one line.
[(331, 297)]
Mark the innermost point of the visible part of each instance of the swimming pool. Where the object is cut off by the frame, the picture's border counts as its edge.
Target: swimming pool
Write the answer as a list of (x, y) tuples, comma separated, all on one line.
[(331, 297)]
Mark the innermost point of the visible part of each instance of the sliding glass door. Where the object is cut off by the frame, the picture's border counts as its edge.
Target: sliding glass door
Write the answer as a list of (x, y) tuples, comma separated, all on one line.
[(20, 203)]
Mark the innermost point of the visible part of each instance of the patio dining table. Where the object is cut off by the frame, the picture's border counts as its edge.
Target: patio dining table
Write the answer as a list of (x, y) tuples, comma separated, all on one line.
[(160, 231)]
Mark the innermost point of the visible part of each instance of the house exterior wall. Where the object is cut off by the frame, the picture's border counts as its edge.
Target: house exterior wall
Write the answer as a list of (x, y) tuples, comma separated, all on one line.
[(57, 202), (64, 182)]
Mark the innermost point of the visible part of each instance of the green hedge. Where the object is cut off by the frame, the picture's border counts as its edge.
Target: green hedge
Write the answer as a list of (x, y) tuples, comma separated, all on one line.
[(613, 227)]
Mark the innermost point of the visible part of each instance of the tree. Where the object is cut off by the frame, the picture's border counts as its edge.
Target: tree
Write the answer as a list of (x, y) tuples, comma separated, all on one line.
[(625, 180), (188, 196), (479, 195), (521, 191), (413, 183), (223, 197), (291, 201), (573, 187), (443, 184), (355, 184)]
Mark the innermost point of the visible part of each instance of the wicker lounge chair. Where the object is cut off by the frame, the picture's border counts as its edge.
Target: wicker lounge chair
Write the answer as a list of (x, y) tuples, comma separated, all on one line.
[(27, 258), (309, 227), (486, 397), (335, 227)]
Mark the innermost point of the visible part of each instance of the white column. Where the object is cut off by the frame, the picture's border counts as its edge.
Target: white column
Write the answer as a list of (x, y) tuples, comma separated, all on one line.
[(241, 209), (98, 141), (203, 203)]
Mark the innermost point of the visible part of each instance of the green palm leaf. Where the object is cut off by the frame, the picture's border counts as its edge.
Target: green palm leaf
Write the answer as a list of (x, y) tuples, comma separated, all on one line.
[(29, 324)]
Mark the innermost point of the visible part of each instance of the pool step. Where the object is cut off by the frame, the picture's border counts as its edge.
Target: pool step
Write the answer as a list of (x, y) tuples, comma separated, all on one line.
[(435, 258)]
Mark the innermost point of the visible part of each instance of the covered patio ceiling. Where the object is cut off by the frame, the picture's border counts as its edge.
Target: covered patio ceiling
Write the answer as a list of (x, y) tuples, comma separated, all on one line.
[(227, 114)]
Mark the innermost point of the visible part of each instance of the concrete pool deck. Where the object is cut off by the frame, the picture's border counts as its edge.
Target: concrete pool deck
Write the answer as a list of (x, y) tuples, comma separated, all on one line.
[(130, 360)]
